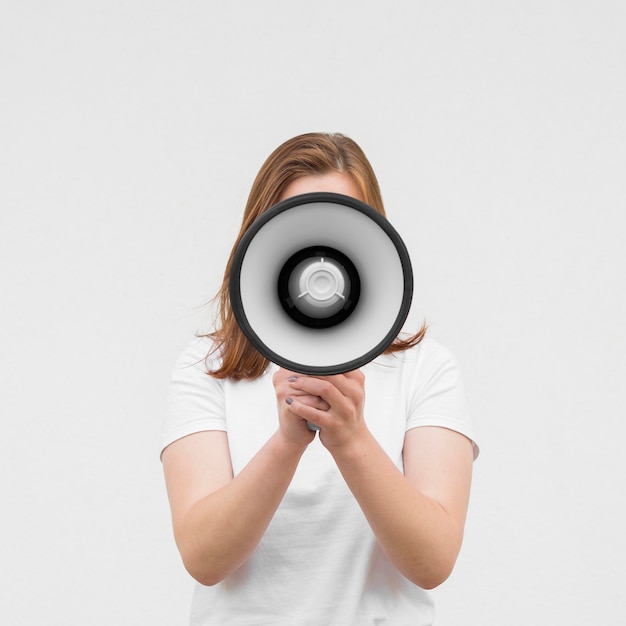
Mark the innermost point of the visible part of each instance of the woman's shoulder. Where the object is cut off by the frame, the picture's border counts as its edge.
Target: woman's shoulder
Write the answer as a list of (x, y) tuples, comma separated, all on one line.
[(199, 352), (429, 352)]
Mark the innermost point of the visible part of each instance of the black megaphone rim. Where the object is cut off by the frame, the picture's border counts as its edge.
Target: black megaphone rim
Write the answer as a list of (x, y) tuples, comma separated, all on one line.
[(235, 285)]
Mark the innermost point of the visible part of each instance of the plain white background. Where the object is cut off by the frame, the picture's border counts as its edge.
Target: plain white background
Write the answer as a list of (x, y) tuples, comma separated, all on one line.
[(130, 134)]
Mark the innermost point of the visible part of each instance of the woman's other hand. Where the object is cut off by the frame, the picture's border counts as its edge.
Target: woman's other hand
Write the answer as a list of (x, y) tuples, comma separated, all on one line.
[(293, 426)]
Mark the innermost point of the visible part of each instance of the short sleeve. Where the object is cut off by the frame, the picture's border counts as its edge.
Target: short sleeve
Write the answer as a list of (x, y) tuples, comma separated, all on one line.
[(438, 393), (195, 400)]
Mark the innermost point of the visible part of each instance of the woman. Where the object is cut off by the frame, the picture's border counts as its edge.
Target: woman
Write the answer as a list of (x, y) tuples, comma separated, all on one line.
[(279, 524)]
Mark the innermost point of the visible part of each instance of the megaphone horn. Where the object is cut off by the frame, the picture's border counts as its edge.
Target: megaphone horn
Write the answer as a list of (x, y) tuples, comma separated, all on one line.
[(321, 284)]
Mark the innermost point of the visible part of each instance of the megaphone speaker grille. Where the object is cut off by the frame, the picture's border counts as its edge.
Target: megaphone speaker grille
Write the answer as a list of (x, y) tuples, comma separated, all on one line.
[(319, 287), (321, 284)]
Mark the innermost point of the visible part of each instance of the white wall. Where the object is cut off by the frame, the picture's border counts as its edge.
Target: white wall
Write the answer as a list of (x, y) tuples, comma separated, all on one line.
[(130, 133)]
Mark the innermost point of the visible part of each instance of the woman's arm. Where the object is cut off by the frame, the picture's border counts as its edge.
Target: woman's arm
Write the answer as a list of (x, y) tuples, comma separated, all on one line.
[(219, 520), (418, 517)]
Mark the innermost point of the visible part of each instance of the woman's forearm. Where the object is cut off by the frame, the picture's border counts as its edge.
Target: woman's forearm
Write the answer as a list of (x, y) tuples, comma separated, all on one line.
[(417, 534), (221, 531)]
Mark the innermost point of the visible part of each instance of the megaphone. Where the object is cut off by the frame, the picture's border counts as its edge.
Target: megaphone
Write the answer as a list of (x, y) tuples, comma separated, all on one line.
[(321, 284)]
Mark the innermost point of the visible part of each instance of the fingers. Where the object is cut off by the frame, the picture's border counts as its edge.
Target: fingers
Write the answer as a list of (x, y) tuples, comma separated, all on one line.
[(320, 392), (283, 382), (308, 411), (314, 402), (340, 396), (334, 403), (333, 389), (292, 425)]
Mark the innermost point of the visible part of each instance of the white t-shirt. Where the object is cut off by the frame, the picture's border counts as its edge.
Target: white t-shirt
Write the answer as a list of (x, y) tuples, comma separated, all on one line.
[(318, 563)]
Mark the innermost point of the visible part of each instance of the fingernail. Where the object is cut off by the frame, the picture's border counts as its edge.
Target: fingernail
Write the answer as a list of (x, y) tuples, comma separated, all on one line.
[(288, 400), (292, 379)]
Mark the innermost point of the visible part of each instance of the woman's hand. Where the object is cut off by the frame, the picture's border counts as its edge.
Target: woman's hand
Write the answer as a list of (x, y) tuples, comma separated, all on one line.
[(334, 403), (294, 427)]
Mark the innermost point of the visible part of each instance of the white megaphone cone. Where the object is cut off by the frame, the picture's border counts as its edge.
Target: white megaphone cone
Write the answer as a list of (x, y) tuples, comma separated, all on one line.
[(321, 284)]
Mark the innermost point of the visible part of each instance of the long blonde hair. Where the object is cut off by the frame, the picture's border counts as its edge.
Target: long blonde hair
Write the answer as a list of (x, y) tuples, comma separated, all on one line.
[(304, 155)]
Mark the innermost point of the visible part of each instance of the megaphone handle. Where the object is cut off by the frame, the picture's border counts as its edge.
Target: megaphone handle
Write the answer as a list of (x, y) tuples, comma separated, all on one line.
[(312, 426)]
